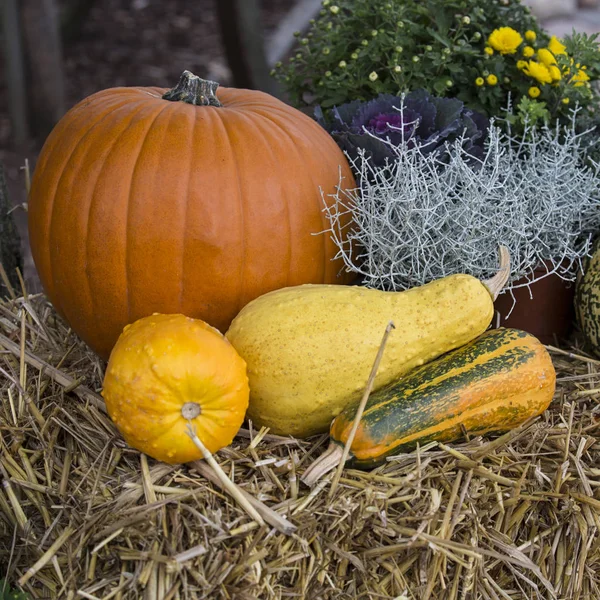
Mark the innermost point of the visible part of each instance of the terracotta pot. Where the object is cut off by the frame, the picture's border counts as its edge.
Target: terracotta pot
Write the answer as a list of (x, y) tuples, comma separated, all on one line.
[(548, 312)]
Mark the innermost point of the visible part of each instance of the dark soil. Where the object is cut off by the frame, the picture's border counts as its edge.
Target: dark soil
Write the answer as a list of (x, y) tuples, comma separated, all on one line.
[(128, 42), (142, 42), (149, 42)]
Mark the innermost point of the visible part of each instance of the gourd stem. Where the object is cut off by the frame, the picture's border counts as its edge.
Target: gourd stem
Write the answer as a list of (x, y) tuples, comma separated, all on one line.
[(329, 460), (227, 483), (498, 281), (191, 410), (194, 90)]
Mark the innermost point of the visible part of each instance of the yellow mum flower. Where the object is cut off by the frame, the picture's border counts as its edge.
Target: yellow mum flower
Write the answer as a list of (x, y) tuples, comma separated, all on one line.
[(555, 46), (505, 39), (565, 101), (528, 52), (546, 57), (489, 51), (566, 70), (530, 36), (521, 64), (538, 71), (534, 91), (555, 73), (479, 81), (491, 79), (580, 78)]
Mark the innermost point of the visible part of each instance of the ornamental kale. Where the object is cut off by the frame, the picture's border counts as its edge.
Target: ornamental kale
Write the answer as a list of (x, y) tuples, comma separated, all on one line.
[(417, 118)]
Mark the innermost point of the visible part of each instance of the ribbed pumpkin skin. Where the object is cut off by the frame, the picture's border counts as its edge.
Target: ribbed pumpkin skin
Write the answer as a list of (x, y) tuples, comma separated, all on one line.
[(587, 298), (493, 384), (140, 205)]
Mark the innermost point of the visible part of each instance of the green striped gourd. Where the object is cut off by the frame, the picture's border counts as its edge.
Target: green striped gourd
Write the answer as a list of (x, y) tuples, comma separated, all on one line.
[(492, 384), (587, 298)]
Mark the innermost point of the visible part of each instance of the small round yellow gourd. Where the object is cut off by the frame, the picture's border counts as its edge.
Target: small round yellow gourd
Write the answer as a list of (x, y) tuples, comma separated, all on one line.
[(166, 369)]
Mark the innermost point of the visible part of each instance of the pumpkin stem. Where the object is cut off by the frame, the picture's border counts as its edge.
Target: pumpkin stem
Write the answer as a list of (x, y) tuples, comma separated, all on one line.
[(498, 281), (193, 90)]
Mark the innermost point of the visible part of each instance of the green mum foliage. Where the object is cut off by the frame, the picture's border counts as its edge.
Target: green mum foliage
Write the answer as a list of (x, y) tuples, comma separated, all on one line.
[(7, 593), (487, 53)]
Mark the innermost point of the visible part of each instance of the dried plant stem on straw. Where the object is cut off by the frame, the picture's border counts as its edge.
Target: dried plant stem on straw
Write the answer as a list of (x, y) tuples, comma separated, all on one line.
[(269, 515), (6, 282), (360, 410), (254, 507), (47, 556), (229, 485)]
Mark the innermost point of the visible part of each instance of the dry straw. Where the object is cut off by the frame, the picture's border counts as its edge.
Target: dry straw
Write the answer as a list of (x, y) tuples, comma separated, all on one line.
[(84, 516)]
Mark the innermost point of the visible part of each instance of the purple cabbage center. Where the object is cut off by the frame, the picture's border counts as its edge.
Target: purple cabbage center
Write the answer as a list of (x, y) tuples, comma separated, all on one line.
[(385, 123)]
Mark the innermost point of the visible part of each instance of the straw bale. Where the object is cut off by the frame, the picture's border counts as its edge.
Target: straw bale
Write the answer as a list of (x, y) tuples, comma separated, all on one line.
[(84, 516)]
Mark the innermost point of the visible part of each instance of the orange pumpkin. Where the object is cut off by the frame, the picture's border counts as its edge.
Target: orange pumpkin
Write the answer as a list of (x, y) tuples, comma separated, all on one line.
[(166, 369), (195, 200)]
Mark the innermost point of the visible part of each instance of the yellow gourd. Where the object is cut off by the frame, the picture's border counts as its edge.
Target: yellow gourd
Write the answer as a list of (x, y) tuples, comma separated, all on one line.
[(309, 349), (168, 370)]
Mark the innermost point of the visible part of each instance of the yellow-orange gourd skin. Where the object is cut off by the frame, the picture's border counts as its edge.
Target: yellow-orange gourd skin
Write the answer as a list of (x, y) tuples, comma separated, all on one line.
[(309, 349), (158, 364), (141, 205)]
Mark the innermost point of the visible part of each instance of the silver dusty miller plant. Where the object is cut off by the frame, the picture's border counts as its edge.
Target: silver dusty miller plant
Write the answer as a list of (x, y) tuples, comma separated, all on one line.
[(417, 219)]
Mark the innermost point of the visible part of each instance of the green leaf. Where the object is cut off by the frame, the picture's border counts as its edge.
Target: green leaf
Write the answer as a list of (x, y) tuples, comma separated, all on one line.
[(440, 38), (439, 85), (333, 99), (7, 593)]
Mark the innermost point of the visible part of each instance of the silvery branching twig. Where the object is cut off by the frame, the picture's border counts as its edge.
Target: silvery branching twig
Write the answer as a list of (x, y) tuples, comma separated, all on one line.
[(419, 219)]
